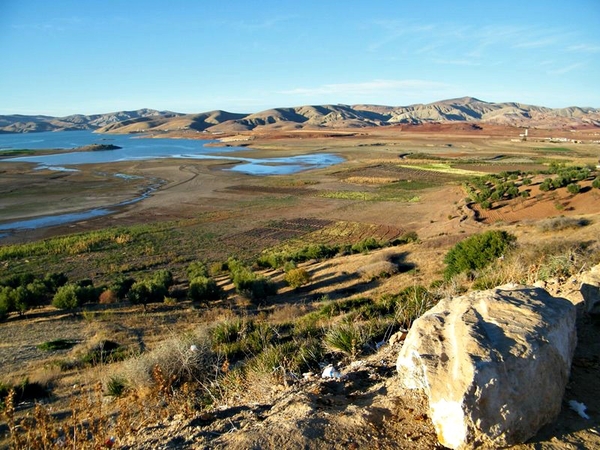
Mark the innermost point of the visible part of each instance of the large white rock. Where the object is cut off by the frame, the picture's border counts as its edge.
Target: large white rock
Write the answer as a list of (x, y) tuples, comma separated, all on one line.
[(590, 290), (494, 364)]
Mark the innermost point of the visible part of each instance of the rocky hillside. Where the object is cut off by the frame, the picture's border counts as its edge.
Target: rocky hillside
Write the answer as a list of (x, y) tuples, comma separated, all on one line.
[(466, 109), (26, 124)]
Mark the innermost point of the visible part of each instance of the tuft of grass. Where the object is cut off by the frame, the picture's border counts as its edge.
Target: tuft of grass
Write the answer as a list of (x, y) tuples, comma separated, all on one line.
[(116, 386), (57, 344), (347, 338)]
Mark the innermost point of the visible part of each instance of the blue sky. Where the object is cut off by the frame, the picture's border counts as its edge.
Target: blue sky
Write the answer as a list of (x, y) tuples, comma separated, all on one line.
[(65, 57)]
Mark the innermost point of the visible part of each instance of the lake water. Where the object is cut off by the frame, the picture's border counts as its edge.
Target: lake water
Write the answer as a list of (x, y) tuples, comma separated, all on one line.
[(135, 147)]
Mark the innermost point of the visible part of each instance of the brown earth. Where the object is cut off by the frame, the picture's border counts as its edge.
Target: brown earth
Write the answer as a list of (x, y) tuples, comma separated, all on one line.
[(366, 409)]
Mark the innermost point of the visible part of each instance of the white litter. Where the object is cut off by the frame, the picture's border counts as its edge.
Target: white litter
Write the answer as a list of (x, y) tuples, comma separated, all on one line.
[(579, 408), (331, 372), (193, 348)]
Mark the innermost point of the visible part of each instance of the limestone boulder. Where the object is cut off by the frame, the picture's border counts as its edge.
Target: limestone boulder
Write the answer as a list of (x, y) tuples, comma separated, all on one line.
[(590, 290), (494, 364)]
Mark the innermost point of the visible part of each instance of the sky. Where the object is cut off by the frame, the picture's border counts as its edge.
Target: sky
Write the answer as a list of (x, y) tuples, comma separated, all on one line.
[(65, 57)]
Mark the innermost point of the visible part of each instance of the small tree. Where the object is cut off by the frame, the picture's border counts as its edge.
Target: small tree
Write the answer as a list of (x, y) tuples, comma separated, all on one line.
[(67, 297), (139, 294), (6, 301)]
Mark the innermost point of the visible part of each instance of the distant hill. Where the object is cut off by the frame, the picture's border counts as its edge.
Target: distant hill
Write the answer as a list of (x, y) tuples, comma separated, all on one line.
[(465, 109), (25, 124)]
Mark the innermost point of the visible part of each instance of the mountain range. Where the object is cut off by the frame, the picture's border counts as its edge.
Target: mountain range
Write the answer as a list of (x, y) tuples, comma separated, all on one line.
[(465, 109)]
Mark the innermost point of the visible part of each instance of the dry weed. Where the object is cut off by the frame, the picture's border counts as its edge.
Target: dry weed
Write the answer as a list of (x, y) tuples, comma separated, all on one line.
[(288, 313)]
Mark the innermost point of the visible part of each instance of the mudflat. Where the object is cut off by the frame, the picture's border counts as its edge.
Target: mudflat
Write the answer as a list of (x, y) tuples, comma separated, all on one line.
[(373, 158)]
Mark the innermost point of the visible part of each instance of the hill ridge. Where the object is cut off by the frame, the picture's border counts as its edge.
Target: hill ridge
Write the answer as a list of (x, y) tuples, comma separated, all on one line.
[(462, 109)]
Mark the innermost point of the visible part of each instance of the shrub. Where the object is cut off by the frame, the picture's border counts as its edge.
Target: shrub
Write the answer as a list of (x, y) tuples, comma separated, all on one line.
[(151, 290), (410, 236), (546, 185), (411, 303), (562, 223), (366, 245), (140, 293), (104, 352), (197, 269), (121, 285), (378, 269), (163, 278), (297, 277), (87, 294), (274, 360), (596, 183), (573, 188), (203, 289), (249, 284), (55, 280), (476, 252), (178, 359), (107, 297), (57, 344), (67, 297)]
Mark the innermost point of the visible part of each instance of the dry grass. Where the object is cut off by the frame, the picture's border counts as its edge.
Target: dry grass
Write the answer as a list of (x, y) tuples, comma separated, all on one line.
[(371, 180)]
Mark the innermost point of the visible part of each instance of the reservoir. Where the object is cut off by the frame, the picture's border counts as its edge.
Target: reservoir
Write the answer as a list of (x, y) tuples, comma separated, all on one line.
[(135, 147)]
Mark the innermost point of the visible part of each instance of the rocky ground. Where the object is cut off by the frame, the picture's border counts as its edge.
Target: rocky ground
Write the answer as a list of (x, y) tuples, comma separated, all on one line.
[(366, 408)]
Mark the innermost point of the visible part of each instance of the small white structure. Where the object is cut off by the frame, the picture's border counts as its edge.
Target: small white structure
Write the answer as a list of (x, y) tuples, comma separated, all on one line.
[(523, 136)]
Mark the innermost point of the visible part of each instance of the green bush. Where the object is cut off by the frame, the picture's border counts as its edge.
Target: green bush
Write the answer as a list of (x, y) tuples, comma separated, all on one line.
[(105, 352), (203, 289), (152, 290), (573, 188), (297, 277), (55, 280), (67, 297), (57, 344), (546, 185), (366, 245), (197, 269), (596, 183), (476, 252), (5, 303), (249, 284), (120, 286)]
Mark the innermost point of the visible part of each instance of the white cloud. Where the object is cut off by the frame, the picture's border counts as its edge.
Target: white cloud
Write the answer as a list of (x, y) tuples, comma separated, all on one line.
[(566, 69), (584, 48)]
